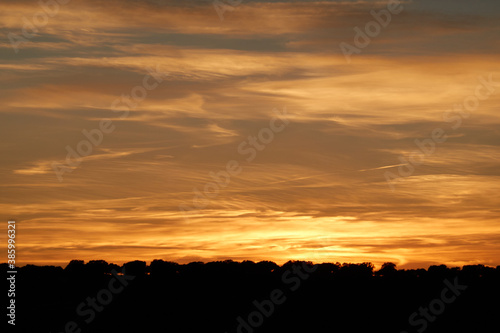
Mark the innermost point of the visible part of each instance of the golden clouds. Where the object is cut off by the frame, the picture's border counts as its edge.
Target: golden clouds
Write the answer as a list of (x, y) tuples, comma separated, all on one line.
[(316, 192)]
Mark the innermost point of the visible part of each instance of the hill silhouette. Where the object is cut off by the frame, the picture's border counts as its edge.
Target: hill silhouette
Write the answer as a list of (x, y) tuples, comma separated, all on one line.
[(247, 297)]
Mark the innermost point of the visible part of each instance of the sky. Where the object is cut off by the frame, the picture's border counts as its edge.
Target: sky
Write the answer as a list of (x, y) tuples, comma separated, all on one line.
[(251, 130)]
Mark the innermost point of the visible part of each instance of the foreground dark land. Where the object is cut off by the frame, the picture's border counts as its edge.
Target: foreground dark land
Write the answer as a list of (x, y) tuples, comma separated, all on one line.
[(255, 297)]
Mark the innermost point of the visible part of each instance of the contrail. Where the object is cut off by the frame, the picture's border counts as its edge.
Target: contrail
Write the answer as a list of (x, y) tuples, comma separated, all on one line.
[(384, 167)]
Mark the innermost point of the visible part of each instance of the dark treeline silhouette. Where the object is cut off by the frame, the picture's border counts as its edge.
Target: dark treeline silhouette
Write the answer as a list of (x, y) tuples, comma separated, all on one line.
[(247, 297)]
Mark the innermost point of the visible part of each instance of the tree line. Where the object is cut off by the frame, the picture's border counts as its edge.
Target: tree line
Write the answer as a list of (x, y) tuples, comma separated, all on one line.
[(256, 297)]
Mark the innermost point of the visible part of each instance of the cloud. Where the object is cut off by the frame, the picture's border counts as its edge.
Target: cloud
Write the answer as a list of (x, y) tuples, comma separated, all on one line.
[(317, 191)]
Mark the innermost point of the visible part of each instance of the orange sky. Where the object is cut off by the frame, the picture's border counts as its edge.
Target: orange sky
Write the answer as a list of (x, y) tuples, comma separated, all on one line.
[(318, 190)]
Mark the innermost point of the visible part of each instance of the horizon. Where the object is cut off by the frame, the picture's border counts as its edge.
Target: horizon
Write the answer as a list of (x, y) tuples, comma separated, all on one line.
[(375, 267)]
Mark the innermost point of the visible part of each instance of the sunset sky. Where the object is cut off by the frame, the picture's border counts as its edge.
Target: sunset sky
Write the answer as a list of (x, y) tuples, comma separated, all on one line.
[(318, 190)]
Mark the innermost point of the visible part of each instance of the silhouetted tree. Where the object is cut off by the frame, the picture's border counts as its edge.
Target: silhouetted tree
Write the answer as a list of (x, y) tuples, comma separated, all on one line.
[(158, 267), (75, 267), (388, 269), (135, 268), (97, 267), (363, 270), (266, 266)]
